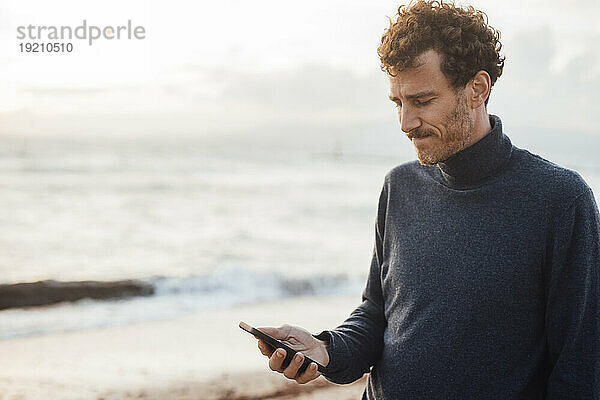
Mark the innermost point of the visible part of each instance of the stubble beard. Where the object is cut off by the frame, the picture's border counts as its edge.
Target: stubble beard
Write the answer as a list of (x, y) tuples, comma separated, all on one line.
[(459, 131)]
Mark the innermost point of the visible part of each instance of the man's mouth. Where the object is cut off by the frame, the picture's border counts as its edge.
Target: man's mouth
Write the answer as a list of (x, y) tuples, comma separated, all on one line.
[(418, 135)]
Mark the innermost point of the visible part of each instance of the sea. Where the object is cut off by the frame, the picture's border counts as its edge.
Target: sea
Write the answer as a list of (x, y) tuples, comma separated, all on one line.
[(207, 225)]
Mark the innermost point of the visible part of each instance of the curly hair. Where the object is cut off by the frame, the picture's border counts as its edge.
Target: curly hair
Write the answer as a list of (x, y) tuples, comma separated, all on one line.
[(462, 37)]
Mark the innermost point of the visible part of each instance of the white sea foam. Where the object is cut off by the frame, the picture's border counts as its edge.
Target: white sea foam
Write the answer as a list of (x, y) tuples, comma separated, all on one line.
[(228, 286)]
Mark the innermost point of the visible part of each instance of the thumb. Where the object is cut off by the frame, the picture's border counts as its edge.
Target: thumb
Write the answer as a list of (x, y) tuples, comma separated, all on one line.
[(280, 333)]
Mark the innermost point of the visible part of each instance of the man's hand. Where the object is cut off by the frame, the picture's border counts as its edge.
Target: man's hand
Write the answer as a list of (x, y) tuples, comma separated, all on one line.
[(304, 343)]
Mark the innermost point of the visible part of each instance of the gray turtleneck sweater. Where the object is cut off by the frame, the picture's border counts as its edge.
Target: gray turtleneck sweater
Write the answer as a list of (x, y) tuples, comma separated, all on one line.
[(484, 283)]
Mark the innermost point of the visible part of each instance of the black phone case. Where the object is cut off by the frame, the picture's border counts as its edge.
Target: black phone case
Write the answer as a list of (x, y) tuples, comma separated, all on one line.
[(275, 344)]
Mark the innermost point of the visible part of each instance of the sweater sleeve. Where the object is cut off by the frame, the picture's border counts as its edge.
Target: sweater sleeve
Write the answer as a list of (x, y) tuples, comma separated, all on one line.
[(356, 344), (573, 303)]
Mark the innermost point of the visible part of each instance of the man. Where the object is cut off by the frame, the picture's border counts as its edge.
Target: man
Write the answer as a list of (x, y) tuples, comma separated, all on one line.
[(484, 282)]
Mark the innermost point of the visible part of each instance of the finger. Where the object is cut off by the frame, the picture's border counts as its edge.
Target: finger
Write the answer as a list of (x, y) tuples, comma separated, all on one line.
[(265, 349), (276, 360), (292, 370), (311, 373)]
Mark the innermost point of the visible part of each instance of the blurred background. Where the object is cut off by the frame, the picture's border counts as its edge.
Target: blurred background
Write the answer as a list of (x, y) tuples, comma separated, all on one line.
[(234, 157)]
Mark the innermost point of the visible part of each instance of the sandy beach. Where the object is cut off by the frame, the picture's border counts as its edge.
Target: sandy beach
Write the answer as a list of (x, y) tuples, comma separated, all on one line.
[(196, 356), (251, 386)]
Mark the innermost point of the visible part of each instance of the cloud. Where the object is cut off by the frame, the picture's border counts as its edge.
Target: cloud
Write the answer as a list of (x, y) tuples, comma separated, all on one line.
[(309, 92), (316, 105), (538, 89), (217, 100), (66, 91), (312, 107)]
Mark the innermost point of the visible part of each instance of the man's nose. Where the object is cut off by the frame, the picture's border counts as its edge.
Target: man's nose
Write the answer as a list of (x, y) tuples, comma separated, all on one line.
[(409, 120)]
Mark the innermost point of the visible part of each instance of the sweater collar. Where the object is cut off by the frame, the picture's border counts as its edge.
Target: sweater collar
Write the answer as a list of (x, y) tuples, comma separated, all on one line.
[(482, 160)]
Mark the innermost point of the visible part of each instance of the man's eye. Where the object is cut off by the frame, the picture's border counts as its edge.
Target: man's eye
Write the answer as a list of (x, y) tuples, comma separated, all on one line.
[(423, 103), (398, 105)]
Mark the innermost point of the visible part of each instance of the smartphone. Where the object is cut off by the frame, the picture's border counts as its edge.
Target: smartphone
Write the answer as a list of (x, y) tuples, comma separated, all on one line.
[(276, 344)]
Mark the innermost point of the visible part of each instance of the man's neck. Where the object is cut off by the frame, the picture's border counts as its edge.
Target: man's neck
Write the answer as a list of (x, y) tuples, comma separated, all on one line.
[(481, 126)]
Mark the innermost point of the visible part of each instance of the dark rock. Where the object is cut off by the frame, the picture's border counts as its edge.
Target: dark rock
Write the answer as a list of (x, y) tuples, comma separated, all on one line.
[(50, 292)]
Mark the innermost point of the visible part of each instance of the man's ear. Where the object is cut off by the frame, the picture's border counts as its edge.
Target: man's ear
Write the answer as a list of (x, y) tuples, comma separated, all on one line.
[(480, 86)]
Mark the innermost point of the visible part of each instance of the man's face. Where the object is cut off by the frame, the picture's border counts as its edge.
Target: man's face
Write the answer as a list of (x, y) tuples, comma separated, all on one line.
[(435, 116)]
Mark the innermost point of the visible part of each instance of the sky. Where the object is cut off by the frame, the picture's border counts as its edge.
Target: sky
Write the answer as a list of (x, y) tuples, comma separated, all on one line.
[(270, 69)]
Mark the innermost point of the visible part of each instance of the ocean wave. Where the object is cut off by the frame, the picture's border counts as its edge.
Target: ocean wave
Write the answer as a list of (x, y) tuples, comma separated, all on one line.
[(244, 284), (170, 297)]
